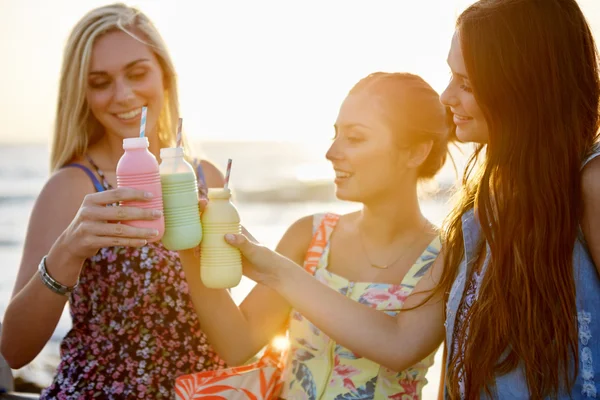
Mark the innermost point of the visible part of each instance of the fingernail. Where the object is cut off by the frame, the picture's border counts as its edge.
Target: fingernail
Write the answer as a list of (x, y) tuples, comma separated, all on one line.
[(157, 213), (148, 195), (154, 232), (230, 237)]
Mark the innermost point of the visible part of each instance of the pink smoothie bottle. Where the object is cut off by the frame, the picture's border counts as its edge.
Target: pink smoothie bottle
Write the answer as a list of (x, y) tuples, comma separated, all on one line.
[(138, 169)]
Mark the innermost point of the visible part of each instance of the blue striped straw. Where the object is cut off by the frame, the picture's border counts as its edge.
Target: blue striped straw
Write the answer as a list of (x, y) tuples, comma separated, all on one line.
[(143, 121)]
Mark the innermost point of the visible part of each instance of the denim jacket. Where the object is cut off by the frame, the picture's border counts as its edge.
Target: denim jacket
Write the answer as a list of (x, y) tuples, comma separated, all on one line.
[(587, 283)]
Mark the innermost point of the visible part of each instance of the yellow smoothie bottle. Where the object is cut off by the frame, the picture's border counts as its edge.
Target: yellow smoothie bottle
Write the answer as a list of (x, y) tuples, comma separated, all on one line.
[(220, 263)]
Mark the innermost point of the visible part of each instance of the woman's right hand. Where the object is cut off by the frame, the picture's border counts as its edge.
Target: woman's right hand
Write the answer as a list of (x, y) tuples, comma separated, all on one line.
[(96, 226), (260, 263)]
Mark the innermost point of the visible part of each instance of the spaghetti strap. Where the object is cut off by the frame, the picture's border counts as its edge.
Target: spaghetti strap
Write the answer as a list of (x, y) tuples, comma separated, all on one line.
[(323, 225), (422, 264), (97, 185), (201, 179)]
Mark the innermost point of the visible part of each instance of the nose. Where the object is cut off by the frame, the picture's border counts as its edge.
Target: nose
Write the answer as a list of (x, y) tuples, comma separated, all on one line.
[(335, 152), (123, 91), (448, 97)]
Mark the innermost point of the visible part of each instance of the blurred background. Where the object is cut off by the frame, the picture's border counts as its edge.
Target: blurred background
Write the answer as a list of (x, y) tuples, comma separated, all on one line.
[(260, 82)]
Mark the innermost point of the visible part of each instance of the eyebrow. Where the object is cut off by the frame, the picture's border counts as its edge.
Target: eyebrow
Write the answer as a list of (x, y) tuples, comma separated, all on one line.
[(461, 75), (129, 65), (350, 126), (456, 73)]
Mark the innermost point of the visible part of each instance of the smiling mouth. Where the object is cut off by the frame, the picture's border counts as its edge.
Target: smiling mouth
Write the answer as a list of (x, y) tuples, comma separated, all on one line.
[(342, 174), (129, 114), (462, 118)]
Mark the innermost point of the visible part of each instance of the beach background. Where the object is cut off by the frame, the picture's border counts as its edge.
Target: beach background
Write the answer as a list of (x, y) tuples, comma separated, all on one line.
[(260, 82)]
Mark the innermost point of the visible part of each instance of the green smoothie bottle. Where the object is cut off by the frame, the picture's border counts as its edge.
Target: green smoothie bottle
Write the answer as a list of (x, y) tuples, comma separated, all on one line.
[(183, 229)]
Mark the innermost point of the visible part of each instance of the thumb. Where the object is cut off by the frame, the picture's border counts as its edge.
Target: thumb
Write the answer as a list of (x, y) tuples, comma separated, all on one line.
[(246, 247), (239, 241)]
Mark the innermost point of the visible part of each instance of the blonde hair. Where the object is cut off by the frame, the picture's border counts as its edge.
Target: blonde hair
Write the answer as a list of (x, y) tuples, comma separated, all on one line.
[(76, 128)]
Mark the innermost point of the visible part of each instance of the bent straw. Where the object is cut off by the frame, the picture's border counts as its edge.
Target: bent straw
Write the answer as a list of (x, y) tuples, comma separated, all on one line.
[(227, 173), (179, 126), (179, 137)]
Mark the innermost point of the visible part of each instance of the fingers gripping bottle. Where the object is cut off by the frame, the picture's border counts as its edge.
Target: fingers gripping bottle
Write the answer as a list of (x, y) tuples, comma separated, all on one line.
[(138, 169), (183, 229), (220, 263)]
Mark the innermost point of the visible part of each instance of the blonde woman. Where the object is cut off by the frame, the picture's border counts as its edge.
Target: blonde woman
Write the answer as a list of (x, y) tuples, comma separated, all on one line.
[(134, 327)]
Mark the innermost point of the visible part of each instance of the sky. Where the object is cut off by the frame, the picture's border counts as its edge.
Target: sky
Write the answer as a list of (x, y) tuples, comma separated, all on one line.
[(274, 70)]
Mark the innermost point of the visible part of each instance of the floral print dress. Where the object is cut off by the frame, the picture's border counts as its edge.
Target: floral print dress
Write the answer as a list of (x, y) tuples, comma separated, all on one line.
[(134, 327), (318, 367)]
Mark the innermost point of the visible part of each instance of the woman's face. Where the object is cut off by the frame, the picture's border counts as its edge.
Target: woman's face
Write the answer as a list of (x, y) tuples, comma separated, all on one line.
[(365, 155), (471, 125), (124, 75)]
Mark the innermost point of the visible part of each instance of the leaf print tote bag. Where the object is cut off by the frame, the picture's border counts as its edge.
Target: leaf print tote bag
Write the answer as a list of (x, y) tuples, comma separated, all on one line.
[(260, 380)]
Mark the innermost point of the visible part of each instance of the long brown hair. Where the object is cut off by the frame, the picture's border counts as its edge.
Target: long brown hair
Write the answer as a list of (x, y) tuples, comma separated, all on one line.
[(533, 68)]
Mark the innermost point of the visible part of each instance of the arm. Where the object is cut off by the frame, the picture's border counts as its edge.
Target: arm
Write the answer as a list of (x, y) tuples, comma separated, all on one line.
[(443, 375), (590, 224), (238, 333), (68, 234), (214, 177), (395, 342)]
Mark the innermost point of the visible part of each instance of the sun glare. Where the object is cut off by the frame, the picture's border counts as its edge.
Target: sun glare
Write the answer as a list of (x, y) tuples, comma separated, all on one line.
[(280, 343)]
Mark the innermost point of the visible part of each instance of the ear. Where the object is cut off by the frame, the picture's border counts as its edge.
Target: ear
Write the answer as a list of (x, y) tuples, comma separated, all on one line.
[(418, 153)]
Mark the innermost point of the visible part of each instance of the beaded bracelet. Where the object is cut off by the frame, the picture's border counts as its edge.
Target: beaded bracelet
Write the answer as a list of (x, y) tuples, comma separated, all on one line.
[(51, 283)]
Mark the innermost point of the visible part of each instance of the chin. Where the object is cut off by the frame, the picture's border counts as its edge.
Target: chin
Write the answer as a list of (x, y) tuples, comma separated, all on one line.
[(130, 132), (470, 135), (347, 195), (127, 134)]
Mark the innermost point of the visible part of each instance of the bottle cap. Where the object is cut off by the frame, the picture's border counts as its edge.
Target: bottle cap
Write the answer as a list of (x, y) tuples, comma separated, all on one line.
[(219, 193), (135, 143)]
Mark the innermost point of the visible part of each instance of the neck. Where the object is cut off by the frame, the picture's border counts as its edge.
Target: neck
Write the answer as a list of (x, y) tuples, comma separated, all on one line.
[(385, 219)]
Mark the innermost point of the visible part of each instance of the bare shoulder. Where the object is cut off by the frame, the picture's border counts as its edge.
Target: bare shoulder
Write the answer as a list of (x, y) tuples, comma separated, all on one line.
[(590, 181), (53, 211), (59, 200), (214, 177), (65, 188), (427, 290), (296, 240)]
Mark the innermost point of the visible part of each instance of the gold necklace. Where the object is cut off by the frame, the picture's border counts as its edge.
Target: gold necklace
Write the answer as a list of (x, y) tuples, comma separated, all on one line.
[(385, 266)]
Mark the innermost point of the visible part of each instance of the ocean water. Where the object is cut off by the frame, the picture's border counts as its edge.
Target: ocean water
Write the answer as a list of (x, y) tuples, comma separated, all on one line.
[(275, 183)]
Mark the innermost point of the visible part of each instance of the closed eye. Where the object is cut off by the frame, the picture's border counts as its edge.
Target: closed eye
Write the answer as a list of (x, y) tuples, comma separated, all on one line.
[(103, 84), (137, 75)]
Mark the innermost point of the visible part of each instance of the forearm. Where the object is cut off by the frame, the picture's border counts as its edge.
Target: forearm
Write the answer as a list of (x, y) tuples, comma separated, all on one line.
[(229, 331), (29, 321), (34, 311), (387, 340)]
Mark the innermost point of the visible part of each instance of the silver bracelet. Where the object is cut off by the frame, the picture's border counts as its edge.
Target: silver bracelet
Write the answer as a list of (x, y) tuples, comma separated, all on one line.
[(51, 283)]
